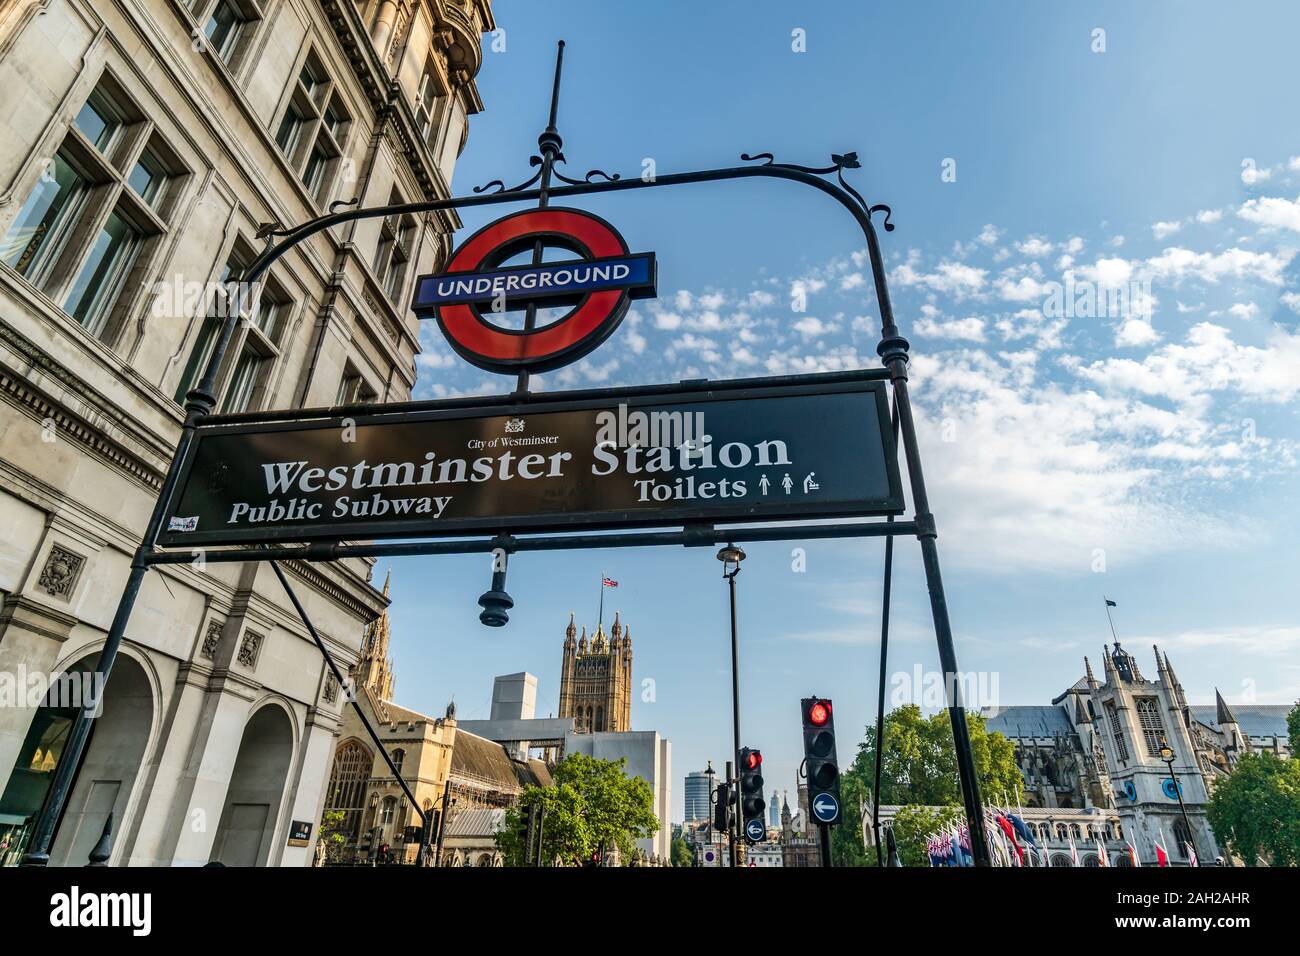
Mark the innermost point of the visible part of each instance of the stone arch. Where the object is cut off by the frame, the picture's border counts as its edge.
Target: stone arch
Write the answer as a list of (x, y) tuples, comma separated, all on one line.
[(110, 774), (256, 793)]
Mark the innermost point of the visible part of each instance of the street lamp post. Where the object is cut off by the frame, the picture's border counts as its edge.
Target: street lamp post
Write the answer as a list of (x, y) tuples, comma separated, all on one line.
[(1167, 755), (731, 556)]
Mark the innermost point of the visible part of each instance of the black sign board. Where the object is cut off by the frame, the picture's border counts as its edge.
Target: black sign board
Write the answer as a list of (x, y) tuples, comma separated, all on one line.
[(299, 832), (817, 446)]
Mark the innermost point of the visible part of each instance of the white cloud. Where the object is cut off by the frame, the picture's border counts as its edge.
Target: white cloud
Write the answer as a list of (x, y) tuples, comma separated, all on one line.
[(1162, 230), (1206, 216), (1244, 310), (1208, 361), (1250, 174), (1024, 289), (970, 329), (1034, 247), (811, 326), (953, 278), (1272, 212), (1134, 332)]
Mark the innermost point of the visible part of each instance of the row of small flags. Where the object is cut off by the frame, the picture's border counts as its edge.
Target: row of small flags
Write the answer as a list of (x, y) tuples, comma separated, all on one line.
[(1012, 843)]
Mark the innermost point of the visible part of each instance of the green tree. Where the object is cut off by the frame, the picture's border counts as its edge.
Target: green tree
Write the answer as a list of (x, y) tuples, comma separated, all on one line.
[(330, 835), (1256, 810), (592, 804), (1293, 729), (682, 854), (919, 769)]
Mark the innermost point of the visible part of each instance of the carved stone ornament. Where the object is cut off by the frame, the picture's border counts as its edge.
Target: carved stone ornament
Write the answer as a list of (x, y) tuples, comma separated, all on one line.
[(61, 571)]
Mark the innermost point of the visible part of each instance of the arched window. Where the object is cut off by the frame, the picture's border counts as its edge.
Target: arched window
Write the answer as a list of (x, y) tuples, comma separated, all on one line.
[(1091, 860), (485, 859), (398, 756), (1060, 859), (1182, 837), (387, 811), (600, 718), (347, 786)]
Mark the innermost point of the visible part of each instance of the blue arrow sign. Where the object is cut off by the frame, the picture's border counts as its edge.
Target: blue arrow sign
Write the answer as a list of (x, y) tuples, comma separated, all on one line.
[(826, 808), (755, 830)]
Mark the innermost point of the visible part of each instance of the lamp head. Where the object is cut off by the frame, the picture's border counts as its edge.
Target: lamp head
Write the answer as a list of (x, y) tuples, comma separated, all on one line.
[(731, 556)]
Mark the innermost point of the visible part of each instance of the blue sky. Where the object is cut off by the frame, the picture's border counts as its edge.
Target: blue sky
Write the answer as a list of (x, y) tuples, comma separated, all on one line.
[(1145, 453)]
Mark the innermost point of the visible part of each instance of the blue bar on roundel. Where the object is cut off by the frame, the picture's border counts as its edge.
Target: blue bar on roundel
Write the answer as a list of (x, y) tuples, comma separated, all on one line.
[(563, 281)]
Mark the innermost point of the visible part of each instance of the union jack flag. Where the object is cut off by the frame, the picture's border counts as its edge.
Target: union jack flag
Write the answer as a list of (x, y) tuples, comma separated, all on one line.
[(609, 582)]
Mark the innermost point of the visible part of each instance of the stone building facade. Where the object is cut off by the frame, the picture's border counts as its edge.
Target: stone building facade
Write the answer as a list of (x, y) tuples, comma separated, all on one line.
[(1097, 749), (144, 146)]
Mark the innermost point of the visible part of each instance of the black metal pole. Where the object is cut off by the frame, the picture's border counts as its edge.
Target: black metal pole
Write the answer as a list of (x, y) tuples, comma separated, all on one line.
[(1191, 837), (338, 676), (731, 829), (550, 144), (825, 833), (893, 349), (442, 822), (735, 715), (888, 578)]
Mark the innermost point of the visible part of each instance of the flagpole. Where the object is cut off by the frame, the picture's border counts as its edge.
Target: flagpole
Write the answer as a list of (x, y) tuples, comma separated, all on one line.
[(1106, 602), (600, 615)]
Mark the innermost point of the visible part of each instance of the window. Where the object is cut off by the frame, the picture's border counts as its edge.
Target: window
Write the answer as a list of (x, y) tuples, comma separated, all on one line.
[(1117, 731), (430, 104), (148, 177), (387, 811), (255, 345), (347, 786), (239, 393), (100, 276), (99, 121), (226, 25), (398, 756), (312, 132), (1153, 729), (393, 254), (1182, 839), (353, 389), (83, 234), (35, 231)]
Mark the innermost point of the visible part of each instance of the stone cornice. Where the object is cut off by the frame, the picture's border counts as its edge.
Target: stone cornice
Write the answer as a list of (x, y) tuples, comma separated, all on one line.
[(18, 391)]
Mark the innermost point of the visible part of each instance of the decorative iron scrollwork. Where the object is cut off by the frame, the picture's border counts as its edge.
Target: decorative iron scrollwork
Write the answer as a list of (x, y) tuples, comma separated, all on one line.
[(839, 163)]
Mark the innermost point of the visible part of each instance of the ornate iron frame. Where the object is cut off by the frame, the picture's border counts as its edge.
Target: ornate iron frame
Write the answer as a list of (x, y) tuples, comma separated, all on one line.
[(892, 349)]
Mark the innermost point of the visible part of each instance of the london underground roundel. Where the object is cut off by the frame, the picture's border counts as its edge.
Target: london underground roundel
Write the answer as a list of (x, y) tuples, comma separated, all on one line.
[(470, 297)]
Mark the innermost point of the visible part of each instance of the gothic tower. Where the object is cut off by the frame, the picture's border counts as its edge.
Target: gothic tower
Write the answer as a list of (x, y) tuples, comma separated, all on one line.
[(1134, 718), (596, 678), (375, 668)]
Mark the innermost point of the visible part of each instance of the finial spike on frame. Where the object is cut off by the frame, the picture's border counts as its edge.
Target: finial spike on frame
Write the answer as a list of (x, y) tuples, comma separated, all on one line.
[(555, 90)]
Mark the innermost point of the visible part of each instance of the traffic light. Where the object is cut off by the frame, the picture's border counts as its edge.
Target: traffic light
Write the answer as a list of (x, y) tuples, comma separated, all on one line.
[(722, 808), (821, 766), (752, 804)]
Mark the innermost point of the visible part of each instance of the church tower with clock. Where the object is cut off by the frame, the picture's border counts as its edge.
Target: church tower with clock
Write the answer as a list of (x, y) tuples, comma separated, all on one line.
[(596, 678)]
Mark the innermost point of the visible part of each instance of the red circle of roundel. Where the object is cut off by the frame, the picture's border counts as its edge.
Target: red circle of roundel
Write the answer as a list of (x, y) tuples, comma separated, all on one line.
[(591, 322)]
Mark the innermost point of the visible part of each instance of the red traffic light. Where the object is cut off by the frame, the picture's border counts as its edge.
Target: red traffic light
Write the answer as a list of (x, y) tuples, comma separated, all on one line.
[(819, 713), (753, 760)]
